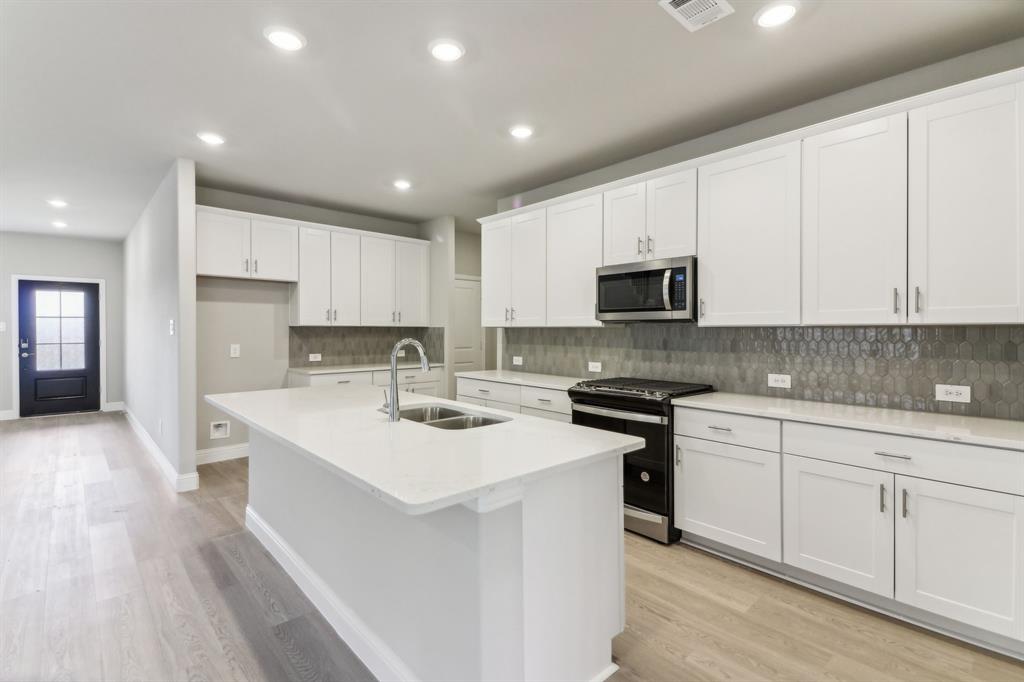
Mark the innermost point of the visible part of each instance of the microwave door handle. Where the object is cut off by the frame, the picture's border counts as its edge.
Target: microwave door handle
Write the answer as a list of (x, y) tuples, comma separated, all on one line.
[(664, 289)]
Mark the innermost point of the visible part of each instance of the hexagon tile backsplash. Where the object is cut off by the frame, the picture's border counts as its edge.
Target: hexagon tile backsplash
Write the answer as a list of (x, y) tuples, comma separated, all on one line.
[(877, 366)]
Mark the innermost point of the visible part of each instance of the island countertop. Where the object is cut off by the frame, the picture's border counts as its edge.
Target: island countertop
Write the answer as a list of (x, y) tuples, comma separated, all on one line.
[(412, 466)]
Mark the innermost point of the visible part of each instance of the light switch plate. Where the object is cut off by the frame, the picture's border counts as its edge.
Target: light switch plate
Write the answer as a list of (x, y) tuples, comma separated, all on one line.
[(593, 366), (314, 357), (235, 350), (220, 430), (517, 359), (3, 327), (170, 327), (780, 381), (952, 393)]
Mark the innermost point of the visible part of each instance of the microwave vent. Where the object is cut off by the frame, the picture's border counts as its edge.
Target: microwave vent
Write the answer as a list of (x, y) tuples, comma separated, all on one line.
[(696, 14)]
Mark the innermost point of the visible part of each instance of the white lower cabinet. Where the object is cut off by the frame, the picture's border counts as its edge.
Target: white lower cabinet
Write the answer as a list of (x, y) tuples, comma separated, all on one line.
[(838, 522), (960, 553), (548, 403), (729, 494)]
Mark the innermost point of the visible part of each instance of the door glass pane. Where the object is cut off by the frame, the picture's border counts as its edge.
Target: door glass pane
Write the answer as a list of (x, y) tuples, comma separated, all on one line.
[(47, 357), (47, 330), (47, 303), (72, 330), (72, 304), (72, 356)]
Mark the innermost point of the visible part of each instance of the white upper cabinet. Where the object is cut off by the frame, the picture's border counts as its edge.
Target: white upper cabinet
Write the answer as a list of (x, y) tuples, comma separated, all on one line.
[(222, 244), (855, 224), (311, 297), (377, 281), (625, 224), (748, 239), (574, 232), (528, 281), (344, 279), (412, 291), (966, 208), (672, 215), (495, 277), (275, 251)]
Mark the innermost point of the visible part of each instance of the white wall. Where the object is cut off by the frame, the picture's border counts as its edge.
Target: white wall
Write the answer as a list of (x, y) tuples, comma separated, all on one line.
[(159, 273), (441, 233), (62, 256)]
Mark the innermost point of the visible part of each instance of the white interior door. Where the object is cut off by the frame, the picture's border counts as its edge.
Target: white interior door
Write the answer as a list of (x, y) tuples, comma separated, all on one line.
[(625, 224), (855, 224), (672, 214), (222, 245), (377, 281), (466, 330), (960, 553), (967, 209), (345, 279), (838, 522), (275, 250), (313, 292), (495, 275), (528, 286), (412, 292), (574, 253)]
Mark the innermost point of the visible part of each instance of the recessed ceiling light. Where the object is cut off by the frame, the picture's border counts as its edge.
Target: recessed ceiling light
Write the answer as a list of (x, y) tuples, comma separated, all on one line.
[(776, 13), (57, 203), (447, 50), (59, 223), (402, 184), (520, 132), (212, 139), (285, 38)]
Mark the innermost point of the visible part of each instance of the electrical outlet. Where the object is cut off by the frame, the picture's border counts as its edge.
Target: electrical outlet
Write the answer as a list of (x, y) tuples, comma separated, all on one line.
[(235, 350), (170, 327), (953, 394), (3, 327), (314, 357), (401, 353), (780, 381), (593, 366), (220, 430), (517, 359)]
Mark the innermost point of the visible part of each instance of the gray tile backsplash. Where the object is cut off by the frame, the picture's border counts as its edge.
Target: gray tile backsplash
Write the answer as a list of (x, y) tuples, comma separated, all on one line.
[(877, 366), (358, 345)]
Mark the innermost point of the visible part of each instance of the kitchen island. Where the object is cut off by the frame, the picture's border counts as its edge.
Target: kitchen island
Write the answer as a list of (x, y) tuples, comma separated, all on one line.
[(479, 554)]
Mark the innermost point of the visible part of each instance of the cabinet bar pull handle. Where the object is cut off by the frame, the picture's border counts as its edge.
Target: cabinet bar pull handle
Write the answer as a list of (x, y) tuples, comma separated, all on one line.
[(335, 314), (892, 455), (677, 455), (410, 376), (917, 299), (650, 245), (256, 266), (720, 428), (345, 381), (543, 400), (513, 318), (392, 315), (896, 300), (904, 503), (639, 246), (247, 265), (328, 314), (506, 314), (483, 390), (881, 497), (399, 315)]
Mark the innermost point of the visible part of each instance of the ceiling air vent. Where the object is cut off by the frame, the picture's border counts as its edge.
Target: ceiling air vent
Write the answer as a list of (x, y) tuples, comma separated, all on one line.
[(696, 14)]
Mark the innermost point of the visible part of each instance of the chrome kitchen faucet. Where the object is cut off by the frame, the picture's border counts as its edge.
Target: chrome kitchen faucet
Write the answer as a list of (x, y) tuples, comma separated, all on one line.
[(393, 395)]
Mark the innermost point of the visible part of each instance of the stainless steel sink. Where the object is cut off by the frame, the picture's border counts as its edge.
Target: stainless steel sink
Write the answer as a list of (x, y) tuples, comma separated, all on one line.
[(428, 413), (449, 418), (466, 421)]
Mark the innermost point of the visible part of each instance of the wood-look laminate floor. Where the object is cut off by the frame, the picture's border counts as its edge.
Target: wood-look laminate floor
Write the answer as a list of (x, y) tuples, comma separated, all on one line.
[(105, 574)]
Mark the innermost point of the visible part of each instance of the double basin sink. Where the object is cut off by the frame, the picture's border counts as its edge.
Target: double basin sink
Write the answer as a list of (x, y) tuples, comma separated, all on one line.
[(445, 417)]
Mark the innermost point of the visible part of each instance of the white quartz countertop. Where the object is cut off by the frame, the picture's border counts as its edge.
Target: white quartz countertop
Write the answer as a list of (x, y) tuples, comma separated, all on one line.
[(334, 369), (997, 433), (522, 378), (415, 467)]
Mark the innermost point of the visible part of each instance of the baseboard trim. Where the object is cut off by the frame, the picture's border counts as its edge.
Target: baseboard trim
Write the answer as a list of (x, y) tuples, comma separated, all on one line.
[(179, 482), (377, 656), (7, 415), (116, 406), (221, 454), (606, 673)]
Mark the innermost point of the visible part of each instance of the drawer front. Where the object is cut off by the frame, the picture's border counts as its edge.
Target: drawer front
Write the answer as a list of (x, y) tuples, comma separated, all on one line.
[(971, 465), (408, 376), (546, 399), (734, 429), (340, 378), (490, 390), (508, 407), (545, 414), (471, 400), (427, 388)]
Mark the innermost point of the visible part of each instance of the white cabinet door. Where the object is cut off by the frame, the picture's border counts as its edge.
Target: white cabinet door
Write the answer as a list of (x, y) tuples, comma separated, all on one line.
[(672, 214), (966, 209), (412, 286), (495, 278), (222, 245), (729, 494), (527, 281), (838, 522), (748, 238), (960, 553), (377, 281), (311, 297), (432, 388), (625, 224), (855, 224), (344, 279), (275, 250), (573, 256)]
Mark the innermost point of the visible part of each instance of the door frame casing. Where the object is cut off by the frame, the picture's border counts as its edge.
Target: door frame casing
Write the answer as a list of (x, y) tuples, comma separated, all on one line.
[(16, 336)]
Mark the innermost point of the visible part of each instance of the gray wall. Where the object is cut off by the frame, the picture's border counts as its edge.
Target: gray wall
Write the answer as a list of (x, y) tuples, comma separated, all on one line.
[(63, 256), (875, 366), (985, 62), (467, 253)]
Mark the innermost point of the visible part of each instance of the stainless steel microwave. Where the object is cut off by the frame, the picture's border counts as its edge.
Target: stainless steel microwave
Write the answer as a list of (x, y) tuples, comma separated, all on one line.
[(648, 290)]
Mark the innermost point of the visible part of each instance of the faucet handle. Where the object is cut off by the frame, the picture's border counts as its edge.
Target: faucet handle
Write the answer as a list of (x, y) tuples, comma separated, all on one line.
[(385, 405)]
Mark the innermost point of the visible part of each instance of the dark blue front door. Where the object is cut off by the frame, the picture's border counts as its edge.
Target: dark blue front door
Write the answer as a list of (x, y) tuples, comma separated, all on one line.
[(58, 347)]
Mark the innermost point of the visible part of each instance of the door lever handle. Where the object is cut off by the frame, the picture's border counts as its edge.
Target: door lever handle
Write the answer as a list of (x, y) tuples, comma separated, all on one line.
[(25, 355)]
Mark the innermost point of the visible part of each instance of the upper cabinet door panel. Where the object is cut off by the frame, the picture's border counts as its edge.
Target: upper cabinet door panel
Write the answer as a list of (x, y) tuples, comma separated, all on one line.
[(344, 279), (967, 209), (377, 281), (412, 293), (495, 260), (222, 245), (672, 215), (855, 224), (275, 251), (528, 269), (748, 246), (311, 297), (625, 224), (573, 255)]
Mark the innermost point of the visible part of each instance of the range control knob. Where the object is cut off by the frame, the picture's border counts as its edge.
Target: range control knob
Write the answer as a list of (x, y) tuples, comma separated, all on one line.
[(644, 476)]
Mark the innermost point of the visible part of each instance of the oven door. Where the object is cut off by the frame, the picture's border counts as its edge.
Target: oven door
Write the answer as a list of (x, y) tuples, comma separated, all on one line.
[(651, 290)]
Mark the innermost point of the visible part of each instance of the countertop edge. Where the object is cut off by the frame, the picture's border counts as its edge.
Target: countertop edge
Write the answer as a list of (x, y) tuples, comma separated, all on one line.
[(557, 382)]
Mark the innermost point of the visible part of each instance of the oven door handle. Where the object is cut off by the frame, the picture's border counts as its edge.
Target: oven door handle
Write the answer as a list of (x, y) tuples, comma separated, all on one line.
[(621, 414), (664, 288)]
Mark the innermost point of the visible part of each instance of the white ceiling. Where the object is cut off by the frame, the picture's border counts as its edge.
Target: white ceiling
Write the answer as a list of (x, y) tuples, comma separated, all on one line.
[(97, 98)]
